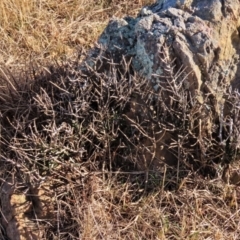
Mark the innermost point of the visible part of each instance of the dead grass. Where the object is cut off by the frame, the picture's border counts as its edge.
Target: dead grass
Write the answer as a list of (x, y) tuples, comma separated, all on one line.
[(45, 29), (66, 146), (68, 152)]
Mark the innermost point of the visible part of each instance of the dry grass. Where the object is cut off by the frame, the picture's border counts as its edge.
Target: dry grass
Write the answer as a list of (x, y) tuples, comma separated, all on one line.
[(70, 150), (46, 28)]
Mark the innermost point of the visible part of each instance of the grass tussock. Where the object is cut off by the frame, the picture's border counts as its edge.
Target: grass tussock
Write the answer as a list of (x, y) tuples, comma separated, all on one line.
[(81, 154)]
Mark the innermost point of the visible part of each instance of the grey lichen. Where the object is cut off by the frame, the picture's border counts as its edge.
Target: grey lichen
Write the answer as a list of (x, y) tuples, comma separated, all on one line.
[(142, 61)]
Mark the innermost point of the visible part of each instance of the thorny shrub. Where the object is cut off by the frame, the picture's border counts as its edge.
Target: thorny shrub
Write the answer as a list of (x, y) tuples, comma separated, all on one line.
[(62, 120)]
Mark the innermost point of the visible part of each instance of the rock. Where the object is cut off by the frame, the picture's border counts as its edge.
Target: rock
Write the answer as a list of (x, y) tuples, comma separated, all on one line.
[(204, 40), (201, 36), (20, 210), (8, 221)]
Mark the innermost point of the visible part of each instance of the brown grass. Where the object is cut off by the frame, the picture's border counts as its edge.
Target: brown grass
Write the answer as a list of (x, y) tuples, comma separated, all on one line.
[(49, 28), (67, 150)]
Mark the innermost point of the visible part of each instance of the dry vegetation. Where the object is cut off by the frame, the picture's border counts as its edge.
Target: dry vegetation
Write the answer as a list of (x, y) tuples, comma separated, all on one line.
[(48, 28), (70, 149)]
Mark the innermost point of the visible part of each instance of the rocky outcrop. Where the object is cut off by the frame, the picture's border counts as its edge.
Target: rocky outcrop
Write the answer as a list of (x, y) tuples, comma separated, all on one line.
[(198, 41), (203, 36)]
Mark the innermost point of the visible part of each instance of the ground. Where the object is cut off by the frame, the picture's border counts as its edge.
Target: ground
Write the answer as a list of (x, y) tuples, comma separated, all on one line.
[(49, 190)]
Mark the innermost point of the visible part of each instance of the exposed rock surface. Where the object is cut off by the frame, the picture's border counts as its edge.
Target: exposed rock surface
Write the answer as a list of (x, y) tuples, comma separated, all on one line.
[(202, 36), (19, 210)]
